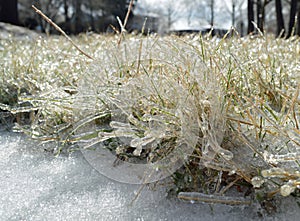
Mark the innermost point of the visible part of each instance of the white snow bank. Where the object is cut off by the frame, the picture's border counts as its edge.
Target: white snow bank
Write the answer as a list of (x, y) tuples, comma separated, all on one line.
[(35, 185)]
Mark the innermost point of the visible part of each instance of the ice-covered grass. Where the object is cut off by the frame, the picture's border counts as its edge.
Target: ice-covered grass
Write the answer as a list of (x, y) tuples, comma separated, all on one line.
[(230, 105)]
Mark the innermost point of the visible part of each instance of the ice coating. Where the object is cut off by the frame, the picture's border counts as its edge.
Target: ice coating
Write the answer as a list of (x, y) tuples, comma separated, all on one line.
[(36, 185)]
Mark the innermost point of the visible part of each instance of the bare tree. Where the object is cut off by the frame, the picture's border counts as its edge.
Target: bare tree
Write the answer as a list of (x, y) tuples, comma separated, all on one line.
[(169, 13), (77, 24), (235, 10), (66, 10), (233, 13), (9, 11), (212, 12), (92, 21), (260, 15), (194, 10), (279, 18), (260, 9), (298, 31), (293, 12), (250, 16), (117, 7)]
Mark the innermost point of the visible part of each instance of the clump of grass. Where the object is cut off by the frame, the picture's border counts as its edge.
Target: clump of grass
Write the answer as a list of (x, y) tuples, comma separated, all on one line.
[(232, 104)]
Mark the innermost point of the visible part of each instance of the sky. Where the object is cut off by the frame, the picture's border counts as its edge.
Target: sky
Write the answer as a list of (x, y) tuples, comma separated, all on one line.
[(221, 3), (222, 11)]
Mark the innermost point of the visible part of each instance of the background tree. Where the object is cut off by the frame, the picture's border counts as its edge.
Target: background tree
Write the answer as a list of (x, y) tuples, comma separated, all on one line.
[(250, 16), (260, 9), (74, 16), (171, 12), (77, 24), (9, 11), (111, 10), (195, 10), (298, 32), (236, 11), (168, 11), (260, 15), (233, 12), (279, 18), (293, 12), (212, 12), (50, 7), (92, 20), (66, 10)]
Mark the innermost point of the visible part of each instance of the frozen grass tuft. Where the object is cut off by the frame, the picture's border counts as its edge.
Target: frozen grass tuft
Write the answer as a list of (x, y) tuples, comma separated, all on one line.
[(234, 102)]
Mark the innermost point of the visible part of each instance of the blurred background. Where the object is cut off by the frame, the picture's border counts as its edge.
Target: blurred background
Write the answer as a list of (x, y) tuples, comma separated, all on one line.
[(157, 16)]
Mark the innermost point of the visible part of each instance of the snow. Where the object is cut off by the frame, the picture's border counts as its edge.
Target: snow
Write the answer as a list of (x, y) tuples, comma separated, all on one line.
[(183, 24), (35, 185)]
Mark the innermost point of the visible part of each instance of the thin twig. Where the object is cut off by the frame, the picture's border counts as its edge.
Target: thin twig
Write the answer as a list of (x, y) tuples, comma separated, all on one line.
[(195, 197), (229, 186), (61, 31), (125, 22)]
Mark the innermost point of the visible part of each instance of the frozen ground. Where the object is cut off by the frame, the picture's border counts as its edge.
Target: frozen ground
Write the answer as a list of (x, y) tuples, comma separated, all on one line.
[(35, 185)]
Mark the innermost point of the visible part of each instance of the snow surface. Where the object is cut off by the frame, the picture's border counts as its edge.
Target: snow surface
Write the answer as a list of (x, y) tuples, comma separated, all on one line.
[(35, 185)]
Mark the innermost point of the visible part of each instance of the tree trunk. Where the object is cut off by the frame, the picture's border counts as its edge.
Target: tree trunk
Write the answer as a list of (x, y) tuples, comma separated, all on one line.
[(279, 18), (242, 28), (66, 11), (293, 12), (298, 31), (250, 16), (212, 12), (260, 15), (169, 18), (92, 22), (9, 11), (77, 20), (233, 14)]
